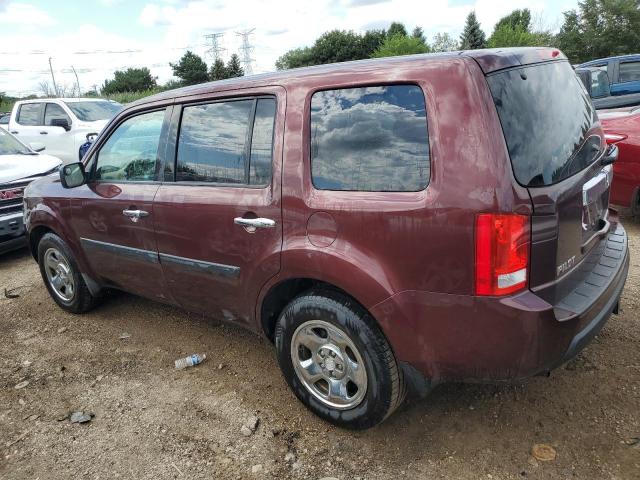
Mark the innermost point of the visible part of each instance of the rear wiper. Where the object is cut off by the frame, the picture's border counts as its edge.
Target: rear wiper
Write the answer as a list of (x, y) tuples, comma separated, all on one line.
[(610, 156)]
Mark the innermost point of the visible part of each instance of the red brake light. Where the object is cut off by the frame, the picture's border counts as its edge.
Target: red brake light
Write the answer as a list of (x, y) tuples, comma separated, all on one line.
[(612, 138), (502, 253)]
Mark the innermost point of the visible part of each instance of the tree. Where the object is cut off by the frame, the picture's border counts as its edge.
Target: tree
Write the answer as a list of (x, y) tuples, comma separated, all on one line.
[(472, 36), (517, 18), (396, 28), (514, 30), (401, 45), (600, 28), (129, 80), (337, 46), (191, 69), (443, 42), (233, 67), (370, 42), (298, 57), (419, 33), (218, 71)]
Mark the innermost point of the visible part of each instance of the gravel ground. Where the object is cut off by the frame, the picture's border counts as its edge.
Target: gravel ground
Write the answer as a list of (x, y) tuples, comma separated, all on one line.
[(153, 422)]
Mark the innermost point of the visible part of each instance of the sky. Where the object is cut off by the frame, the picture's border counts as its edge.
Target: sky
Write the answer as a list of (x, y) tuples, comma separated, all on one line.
[(100, 36)]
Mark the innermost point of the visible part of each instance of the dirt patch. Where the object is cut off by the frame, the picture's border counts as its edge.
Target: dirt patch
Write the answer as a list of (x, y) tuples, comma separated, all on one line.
[(153, 422)]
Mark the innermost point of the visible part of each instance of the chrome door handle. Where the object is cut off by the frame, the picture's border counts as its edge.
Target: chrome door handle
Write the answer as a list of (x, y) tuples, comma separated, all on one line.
[(252, 223), (135, 215)]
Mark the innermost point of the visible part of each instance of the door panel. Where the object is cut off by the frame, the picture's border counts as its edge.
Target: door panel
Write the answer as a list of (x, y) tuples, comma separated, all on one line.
[(113, 213), (59, 142), (228, 167)]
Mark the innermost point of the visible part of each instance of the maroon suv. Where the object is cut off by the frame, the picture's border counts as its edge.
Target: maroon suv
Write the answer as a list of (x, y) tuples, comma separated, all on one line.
[(390, 224)]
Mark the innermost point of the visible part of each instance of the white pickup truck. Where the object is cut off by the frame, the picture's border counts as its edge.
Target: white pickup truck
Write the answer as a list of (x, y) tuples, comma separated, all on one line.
[(60, 124)]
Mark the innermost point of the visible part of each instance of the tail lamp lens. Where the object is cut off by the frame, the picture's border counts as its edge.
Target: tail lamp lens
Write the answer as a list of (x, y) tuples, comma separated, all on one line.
[(502, 253)]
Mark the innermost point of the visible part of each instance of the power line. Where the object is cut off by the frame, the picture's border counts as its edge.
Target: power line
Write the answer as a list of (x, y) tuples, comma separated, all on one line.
[(246, 50), (216, 48)]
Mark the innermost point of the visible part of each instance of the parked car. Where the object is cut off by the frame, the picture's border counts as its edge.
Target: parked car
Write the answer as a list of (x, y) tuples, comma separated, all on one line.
[(622, 128), (623, 72), (597, 84), (62, 124), (19, 165), (4, 120), (390, 224)]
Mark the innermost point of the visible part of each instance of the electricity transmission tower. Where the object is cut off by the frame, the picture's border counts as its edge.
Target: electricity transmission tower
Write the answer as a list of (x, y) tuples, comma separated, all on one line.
[(246, 50), (215, 49)]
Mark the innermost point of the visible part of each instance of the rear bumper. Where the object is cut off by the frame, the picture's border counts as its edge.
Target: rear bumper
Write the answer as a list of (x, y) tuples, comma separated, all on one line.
[(12, 232), (487, 339)]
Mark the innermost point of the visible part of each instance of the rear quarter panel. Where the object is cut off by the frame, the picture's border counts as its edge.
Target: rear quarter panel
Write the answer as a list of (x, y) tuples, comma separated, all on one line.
[(389, 242)]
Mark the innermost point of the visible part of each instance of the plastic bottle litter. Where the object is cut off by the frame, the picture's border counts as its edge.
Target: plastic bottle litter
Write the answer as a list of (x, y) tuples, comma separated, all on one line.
[(190, 361)]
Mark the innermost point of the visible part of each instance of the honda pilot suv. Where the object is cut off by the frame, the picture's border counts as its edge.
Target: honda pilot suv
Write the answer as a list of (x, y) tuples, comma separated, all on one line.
[(390, 224)]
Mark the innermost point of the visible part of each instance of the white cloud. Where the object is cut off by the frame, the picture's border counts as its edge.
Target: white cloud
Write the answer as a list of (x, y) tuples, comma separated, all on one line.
[(24, 14)]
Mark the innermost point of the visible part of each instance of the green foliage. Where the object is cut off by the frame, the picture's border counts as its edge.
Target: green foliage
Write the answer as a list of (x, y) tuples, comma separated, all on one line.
[(191, 69), (514, 30), (298, 57), (333, 46), (218, 70), (233, 68), (600, 28), (472, 36), (129, 80), (396, 28), (419, 33), (128, 97), (443, 42), (401, 45), (517, 18)]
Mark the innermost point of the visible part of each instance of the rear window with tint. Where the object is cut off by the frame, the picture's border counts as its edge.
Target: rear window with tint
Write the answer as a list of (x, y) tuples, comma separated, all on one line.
[(546, 116), (370, 139)]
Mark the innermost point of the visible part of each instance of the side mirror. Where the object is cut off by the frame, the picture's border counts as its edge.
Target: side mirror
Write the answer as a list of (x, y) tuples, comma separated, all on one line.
[(72, 175), (91, 137), (61, 122), (37, 146)]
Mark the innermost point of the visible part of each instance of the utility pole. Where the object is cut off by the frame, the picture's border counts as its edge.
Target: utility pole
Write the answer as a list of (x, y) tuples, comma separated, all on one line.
[(77, 81), (246, 50), (55, 85), (215, 42)]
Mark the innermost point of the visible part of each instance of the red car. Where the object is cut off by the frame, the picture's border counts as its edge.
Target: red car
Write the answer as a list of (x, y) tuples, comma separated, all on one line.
[(390, 224), (622, 128)]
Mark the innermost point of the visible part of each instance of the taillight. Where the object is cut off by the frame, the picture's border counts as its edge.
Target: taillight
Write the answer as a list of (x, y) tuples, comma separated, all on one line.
[(612, 138), (502, 253)]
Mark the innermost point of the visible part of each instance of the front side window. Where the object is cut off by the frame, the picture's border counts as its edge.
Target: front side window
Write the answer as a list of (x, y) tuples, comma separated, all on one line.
[(227, 142), (370, 139), (54, 112), (130, 153), (30, 114), (629, 71), (94, 110)]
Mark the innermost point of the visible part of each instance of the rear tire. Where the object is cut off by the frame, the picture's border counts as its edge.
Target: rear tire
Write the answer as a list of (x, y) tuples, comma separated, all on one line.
[(337, 361), (62, 277)]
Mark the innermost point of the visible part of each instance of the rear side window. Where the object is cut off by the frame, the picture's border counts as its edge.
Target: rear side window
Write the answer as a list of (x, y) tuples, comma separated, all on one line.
[(629, 71), (30, 114), (370, 139), (227, 142), (54, 111), (546, 117)]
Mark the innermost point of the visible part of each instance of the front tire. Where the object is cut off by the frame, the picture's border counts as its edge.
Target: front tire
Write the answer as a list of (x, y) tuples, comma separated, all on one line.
[(61, 275), (337, 361)]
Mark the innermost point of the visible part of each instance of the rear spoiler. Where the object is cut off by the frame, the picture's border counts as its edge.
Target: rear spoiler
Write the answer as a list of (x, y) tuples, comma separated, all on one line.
[(494, 59)]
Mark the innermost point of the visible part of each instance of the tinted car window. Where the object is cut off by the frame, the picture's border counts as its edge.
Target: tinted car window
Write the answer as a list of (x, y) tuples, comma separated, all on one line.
[(130, 153), (629, 71), (546, 116), (4, 119), (370, 139), (54, 111), (262, 142), (212, 142), (599, 84), (29, 114)]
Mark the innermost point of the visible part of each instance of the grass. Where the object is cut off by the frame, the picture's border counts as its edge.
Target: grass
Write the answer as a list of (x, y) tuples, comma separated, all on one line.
[(128, 97)]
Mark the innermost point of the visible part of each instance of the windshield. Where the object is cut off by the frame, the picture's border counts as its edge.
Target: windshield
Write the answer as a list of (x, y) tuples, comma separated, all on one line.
[(546, 117), (91, 111), (9, 145)]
